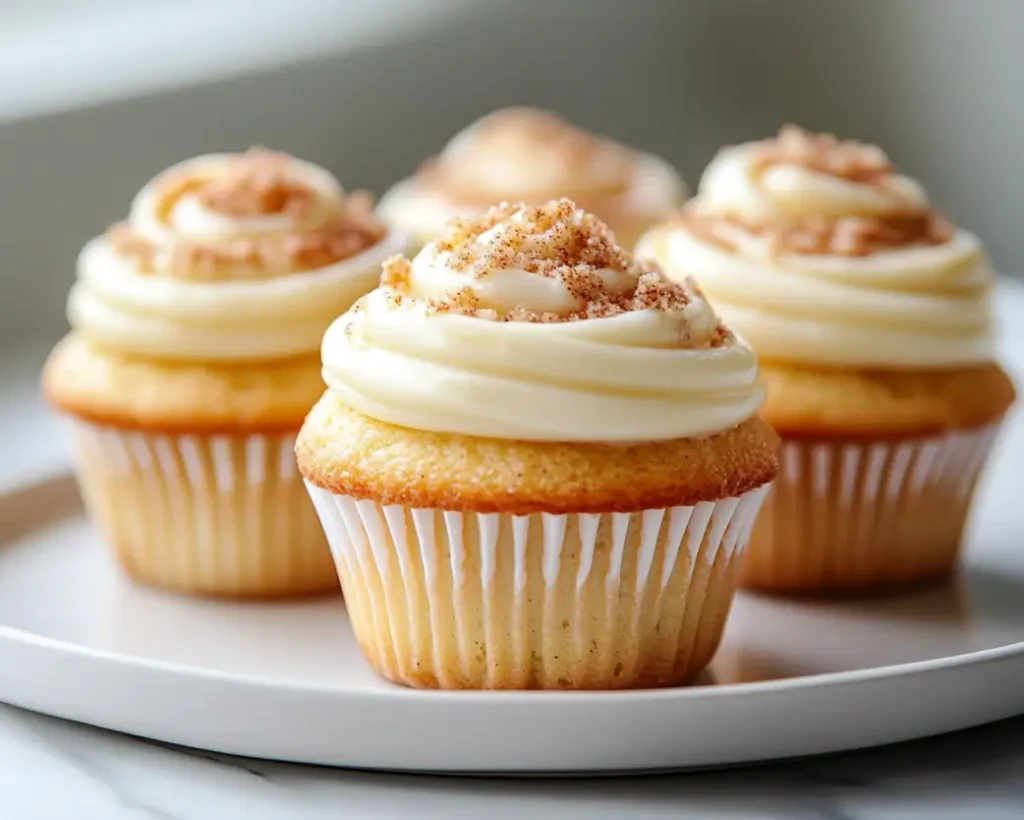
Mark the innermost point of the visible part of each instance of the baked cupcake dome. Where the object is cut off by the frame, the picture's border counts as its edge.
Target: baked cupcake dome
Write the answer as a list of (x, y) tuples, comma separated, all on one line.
[(871, 316), (524, 154), (537, 462), (193, 359)]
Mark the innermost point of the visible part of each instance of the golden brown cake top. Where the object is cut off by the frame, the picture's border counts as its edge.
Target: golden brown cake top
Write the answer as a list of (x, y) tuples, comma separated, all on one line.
[(348, 453)]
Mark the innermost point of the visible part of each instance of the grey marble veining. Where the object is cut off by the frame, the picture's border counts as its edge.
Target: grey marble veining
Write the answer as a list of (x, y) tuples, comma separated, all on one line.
[(52, 769)]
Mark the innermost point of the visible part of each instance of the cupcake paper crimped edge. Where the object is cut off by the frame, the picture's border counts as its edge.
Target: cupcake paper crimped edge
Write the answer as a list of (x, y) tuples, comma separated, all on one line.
[(463, 600), (856, 515), (210, 515)]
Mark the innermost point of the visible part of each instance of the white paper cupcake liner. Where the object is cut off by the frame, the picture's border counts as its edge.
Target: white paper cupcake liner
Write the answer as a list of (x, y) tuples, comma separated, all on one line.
[(220, 515), (860, 514), (454, 600)]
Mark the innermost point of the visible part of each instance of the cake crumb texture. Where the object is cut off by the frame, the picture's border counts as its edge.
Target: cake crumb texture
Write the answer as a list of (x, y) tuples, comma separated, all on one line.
[(108, 388), (348, 453), (805, 401)]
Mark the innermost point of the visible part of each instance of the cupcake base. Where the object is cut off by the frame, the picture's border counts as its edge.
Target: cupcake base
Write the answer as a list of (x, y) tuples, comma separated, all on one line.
[(460, 600), (852, 516), (210, 515)]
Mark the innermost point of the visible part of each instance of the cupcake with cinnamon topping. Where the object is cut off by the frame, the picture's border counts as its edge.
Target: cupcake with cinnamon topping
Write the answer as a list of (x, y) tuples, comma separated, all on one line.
[(871, 316), (523, 154), (193, 359), (537, 461)]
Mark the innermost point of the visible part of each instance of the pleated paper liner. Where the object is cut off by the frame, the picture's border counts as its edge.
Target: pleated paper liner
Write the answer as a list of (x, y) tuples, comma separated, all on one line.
[(454, 600), (210, 515), (861, 515)]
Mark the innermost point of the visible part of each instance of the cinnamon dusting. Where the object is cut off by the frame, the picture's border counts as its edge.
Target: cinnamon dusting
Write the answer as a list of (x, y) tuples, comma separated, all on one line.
[(257, 183), (851, 236), (824, 153), (558, 241)]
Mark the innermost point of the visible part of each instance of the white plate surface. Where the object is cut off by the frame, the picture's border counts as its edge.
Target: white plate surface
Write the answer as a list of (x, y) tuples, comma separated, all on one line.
[(286, 681)]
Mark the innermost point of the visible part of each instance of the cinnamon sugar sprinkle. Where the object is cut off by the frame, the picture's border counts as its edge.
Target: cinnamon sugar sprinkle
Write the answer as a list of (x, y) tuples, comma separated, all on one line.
[(846, 159), (256, 183), (853, 235), (556, 241)]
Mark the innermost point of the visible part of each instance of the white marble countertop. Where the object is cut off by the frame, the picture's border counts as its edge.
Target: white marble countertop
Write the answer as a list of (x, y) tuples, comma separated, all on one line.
[(50, 769), (54, 770)]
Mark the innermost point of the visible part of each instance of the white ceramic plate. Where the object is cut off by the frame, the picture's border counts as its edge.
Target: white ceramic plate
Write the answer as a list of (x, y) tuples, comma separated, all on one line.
[(286, 681)]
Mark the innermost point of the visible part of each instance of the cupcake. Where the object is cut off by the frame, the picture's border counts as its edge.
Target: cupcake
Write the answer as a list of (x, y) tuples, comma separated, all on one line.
[(193, 358), (533, 156), (537, 462), (870, 314)]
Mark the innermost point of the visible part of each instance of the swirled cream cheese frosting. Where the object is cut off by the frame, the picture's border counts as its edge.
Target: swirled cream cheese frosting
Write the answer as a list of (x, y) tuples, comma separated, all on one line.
[(819, 252), (523, 154), (530, 323), (229, 257)]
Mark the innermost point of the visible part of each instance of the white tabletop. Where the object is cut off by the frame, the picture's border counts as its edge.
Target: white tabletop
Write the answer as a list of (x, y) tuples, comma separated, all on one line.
[(50, 769)]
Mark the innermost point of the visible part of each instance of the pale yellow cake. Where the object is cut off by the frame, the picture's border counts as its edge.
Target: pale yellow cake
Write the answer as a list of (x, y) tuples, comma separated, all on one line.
[(115, 389), (877, 404)]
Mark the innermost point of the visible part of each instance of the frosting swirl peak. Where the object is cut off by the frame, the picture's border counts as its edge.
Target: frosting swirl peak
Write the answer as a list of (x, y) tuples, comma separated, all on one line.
[(802, 174), (534, 156), (524, 152), (531, 323), (818, 251), (229, 257), (552, 263), (253, 215)]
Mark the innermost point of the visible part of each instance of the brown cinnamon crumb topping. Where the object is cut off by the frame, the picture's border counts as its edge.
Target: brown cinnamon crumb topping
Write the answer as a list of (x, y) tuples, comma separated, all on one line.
[(256, 183), (846, 159), (396, 273), (823, 235), (556, 241)]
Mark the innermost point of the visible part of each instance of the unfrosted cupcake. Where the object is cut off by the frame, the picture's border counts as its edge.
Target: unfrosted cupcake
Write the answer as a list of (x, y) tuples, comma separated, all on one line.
[(537, 462), (525, 154), (871, 316), (193, 359)]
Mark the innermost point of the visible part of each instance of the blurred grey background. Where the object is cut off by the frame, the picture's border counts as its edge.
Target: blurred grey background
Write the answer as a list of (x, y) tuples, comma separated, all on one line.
[(97, 95)]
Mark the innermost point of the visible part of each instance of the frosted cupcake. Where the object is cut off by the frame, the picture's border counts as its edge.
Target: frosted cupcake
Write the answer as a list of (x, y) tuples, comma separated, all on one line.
[(871, 316), (193, 359), (537, 462), (522, 154)]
